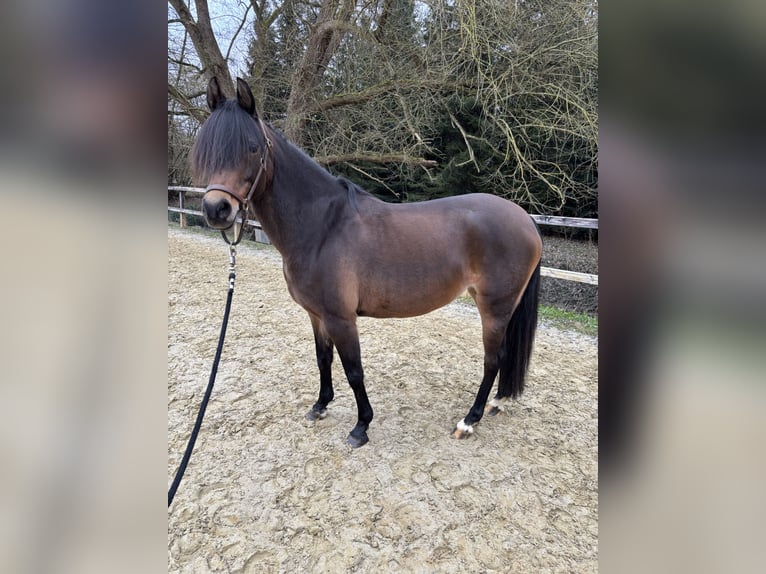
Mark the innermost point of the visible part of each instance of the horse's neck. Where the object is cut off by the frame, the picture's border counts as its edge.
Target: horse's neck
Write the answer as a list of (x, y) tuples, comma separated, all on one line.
[(292, 210)]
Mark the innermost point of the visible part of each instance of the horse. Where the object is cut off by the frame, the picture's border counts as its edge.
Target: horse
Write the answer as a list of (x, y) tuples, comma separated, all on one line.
[(348, 254)]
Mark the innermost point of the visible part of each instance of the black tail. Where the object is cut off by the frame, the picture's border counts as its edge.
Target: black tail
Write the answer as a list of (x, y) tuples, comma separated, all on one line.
[(517, 343)]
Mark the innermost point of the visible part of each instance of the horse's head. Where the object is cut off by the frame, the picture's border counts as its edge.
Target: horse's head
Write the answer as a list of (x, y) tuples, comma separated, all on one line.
[(230, 155)]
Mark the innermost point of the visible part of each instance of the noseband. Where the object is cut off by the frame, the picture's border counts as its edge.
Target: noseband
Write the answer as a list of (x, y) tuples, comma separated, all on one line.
[(244, 201)]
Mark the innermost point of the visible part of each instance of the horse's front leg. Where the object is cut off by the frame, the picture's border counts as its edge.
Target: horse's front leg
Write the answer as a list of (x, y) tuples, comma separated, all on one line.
[(324, 350), (344, 334)]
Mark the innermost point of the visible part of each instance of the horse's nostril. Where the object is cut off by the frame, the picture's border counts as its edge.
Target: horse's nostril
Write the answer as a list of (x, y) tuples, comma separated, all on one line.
[(223, 209)]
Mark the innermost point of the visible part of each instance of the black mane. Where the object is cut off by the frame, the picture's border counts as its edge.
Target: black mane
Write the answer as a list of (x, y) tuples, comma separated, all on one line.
[(225, 141)]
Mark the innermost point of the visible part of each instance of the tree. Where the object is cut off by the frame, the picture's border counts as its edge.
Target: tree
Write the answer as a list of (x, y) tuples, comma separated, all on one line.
[(205, 44), (422, 99)]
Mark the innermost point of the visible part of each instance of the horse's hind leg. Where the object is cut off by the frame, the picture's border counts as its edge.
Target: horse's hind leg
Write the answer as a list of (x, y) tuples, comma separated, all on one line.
[(324, 350), (494, 320)]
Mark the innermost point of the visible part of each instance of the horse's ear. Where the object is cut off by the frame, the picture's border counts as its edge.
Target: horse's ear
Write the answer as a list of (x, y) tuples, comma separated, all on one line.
[(245, 97), (215, 96)]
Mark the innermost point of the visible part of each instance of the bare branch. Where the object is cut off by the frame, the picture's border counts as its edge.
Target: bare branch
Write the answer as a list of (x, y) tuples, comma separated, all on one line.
[(204, 41), (184, 63), (361, 157), (199, 114), (471, 155), (184, 14), (384, 88), (239, 29), (373, 178)]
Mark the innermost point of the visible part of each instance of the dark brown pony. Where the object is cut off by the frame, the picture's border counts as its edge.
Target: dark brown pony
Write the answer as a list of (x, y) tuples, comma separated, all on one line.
[(347, 254)]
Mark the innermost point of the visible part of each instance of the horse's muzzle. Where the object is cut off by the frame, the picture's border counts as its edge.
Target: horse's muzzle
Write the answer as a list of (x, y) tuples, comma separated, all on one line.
[(219, 212)]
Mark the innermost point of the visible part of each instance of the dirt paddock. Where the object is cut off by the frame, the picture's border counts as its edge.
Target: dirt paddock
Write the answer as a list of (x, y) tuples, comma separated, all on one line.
[(267, 491)]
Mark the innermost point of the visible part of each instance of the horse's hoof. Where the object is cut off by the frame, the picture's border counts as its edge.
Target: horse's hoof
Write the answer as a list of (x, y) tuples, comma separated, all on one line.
[(462, 430), (459, 434), (357, 441), (492, 410), (314, 415), (495, 406)]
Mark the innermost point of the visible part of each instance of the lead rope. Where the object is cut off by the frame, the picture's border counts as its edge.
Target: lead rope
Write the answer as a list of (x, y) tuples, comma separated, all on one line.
[(209, 390), (239, 228)]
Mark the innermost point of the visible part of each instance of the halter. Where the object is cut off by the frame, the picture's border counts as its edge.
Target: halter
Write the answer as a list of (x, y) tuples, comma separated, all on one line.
[(244, 202)]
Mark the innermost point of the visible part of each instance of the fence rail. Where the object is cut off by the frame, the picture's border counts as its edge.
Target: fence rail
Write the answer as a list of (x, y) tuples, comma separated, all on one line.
[(553, 220), (583, 222)]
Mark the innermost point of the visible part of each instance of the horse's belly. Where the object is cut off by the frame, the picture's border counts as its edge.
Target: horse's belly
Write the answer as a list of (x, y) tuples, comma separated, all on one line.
[(405, 298)]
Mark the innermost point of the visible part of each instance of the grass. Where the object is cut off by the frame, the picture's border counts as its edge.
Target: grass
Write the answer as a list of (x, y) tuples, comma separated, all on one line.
[(559, 318), (570, 320)]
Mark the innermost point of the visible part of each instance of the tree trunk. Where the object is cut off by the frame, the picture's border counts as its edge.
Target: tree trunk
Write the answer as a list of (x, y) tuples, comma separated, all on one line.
[(208, 51), (332, 23)]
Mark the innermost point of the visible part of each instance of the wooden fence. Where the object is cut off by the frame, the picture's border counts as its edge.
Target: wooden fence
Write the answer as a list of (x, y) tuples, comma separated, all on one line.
[(540, 219)]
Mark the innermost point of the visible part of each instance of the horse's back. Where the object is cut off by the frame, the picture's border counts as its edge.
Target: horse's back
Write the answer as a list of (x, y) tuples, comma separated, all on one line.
[(476, 221)]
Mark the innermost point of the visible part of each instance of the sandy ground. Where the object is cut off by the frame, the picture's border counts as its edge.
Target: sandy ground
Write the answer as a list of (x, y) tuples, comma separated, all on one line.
[(268, 491)]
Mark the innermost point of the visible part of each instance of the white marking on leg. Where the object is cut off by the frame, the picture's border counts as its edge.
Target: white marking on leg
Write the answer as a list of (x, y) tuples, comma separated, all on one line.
[(461, 426), (499, 404)]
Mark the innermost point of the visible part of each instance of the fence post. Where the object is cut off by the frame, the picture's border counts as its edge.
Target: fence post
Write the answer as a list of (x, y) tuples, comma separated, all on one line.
[(182, 205)]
